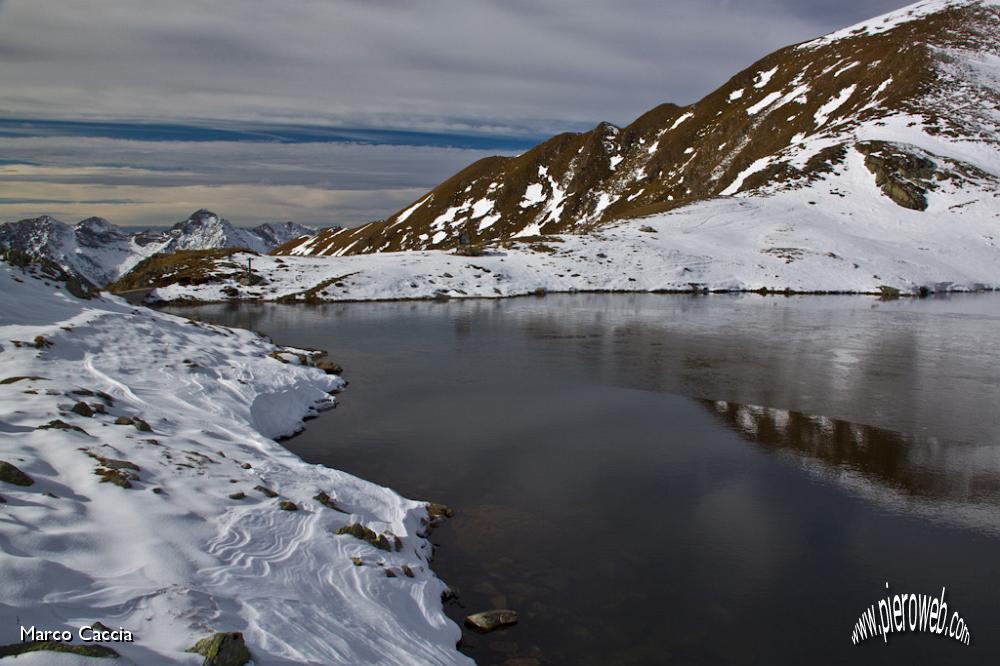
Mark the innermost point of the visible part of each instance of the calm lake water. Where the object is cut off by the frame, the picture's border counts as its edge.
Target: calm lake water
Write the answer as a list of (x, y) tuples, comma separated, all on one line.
[(658, 479)]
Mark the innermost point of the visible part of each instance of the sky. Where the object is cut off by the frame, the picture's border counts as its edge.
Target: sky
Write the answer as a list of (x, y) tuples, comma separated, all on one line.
[(338, 111)]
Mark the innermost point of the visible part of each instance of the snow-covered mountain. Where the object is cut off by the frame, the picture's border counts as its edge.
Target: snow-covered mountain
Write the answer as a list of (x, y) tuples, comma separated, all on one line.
[(205, 230), (903, 109), (100, 252)]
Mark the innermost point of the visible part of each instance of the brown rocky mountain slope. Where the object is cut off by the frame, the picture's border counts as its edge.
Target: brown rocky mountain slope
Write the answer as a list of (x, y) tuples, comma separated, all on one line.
[(907, 65)]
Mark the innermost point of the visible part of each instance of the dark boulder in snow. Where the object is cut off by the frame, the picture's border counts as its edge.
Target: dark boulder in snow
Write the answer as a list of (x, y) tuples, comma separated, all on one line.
[(11, 474), (223, 649)]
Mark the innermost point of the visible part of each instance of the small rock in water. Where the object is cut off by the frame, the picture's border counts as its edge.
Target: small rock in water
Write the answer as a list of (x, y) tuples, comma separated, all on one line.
[(328, 366), (438, 512), (492, 620)]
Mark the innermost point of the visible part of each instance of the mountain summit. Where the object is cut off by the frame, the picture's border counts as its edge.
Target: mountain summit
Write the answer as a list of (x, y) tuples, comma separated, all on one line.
[(903, 107), (205, 230)]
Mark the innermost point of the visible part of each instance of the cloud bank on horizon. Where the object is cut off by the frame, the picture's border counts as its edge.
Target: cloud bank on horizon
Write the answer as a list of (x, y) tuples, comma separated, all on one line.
[(457, 79)]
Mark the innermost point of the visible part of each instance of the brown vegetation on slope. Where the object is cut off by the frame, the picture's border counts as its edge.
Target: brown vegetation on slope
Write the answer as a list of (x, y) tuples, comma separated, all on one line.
[(673, 156)]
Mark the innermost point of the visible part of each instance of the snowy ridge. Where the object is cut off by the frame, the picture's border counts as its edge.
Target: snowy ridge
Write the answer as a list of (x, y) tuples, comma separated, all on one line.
[(934, 63), (174, 557), (952, 245), (894, 19)]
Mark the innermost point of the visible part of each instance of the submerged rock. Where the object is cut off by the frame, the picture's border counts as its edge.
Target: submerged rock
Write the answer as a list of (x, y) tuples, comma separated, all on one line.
[(492, 620), (223, 649)]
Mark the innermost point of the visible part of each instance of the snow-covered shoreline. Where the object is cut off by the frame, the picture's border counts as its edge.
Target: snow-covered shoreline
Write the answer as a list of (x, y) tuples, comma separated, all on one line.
[(197, 543), (839, 234)]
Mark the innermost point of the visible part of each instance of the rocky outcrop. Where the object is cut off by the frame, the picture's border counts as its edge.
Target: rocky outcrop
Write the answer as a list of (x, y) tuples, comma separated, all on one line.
[(902, 176), (223, 649), (11, 474)]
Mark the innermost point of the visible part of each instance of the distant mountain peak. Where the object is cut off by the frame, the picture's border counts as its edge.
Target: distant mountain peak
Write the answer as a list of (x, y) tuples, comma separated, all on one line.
[(203, 214), (201, 217), (100, 252), (94, 223)]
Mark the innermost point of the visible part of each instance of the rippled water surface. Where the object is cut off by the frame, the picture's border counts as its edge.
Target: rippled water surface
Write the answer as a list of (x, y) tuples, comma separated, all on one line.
[(680, 480)]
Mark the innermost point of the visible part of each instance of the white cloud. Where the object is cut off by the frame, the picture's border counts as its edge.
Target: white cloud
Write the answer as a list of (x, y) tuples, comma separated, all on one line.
[(494, 66), (138, 182)]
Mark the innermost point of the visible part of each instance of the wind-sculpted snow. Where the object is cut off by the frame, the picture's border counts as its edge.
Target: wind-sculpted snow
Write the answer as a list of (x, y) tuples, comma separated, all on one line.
[(139, 525)]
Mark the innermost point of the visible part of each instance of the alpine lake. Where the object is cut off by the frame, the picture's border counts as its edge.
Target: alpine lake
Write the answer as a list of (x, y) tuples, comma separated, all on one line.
[(675, 479)]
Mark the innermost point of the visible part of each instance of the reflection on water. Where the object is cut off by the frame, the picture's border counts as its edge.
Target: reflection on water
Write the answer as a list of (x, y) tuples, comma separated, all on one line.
[(596, 451), (954, 481)]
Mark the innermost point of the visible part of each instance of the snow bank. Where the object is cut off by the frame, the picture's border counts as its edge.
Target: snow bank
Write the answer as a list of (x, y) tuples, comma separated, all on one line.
[(174, 557)]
